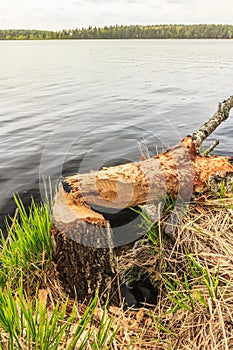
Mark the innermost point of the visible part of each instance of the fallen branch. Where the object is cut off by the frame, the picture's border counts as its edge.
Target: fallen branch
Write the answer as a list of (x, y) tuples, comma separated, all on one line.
[(169, 173)]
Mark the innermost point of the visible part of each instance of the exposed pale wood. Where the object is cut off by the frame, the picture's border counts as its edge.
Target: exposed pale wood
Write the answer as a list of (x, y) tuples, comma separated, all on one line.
[(132, 184), (67, 209)]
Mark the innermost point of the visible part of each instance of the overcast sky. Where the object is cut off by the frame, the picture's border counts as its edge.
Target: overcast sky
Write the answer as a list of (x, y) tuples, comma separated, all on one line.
[(65, 14)]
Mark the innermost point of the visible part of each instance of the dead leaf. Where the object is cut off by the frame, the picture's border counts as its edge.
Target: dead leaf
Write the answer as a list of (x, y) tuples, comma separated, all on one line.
[(140, 315), (200, 209)]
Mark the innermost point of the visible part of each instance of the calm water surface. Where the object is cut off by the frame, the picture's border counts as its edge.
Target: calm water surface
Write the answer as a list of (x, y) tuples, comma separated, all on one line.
[(68, 106)]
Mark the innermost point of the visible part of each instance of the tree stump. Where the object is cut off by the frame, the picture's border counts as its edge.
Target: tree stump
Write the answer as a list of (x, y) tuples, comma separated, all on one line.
[(83, 250)]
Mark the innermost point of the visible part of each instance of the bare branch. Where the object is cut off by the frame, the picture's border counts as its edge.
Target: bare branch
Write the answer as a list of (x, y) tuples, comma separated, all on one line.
[(206, 129), (211, 148)]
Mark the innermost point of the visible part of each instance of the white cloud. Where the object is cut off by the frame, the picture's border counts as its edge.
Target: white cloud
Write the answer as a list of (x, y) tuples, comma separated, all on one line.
[(59, 14)]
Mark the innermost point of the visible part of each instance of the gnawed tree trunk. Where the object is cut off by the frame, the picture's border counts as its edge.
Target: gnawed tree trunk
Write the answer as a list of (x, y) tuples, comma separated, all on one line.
[(132, 184), (83, 250), (85, 247)]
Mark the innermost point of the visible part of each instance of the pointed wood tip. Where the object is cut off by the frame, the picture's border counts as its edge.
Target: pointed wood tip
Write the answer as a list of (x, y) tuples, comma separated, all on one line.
[(68, 209)]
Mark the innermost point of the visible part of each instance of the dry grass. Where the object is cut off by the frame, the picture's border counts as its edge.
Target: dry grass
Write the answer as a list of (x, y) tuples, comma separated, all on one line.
[(205, 238)]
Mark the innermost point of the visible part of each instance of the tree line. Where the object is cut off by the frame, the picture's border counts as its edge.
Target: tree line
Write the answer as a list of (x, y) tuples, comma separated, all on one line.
[(164, 31)]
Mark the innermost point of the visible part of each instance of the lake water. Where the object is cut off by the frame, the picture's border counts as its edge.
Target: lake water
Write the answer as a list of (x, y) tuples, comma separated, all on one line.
[(68, 106)]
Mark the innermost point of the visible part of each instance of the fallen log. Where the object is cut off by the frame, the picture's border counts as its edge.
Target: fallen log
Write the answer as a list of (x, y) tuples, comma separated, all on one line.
[(85, 249)]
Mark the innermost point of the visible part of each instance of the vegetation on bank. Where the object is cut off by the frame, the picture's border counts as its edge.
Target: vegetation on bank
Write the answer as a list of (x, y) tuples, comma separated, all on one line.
[(163, 31), (35, 313), (191, 266)]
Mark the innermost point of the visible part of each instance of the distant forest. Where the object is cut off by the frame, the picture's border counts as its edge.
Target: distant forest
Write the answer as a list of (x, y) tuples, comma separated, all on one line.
[(172, 31)]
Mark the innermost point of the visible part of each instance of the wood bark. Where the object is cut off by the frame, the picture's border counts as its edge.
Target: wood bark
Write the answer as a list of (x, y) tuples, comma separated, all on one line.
[(220, 116), (83, 239)]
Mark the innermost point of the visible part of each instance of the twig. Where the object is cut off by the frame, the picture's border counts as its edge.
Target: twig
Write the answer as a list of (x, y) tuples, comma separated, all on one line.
[(10, 231), (206, 129), (211, 148)]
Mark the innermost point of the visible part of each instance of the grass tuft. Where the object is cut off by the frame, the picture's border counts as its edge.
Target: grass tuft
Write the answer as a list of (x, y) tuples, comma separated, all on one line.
[(27, 248)]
